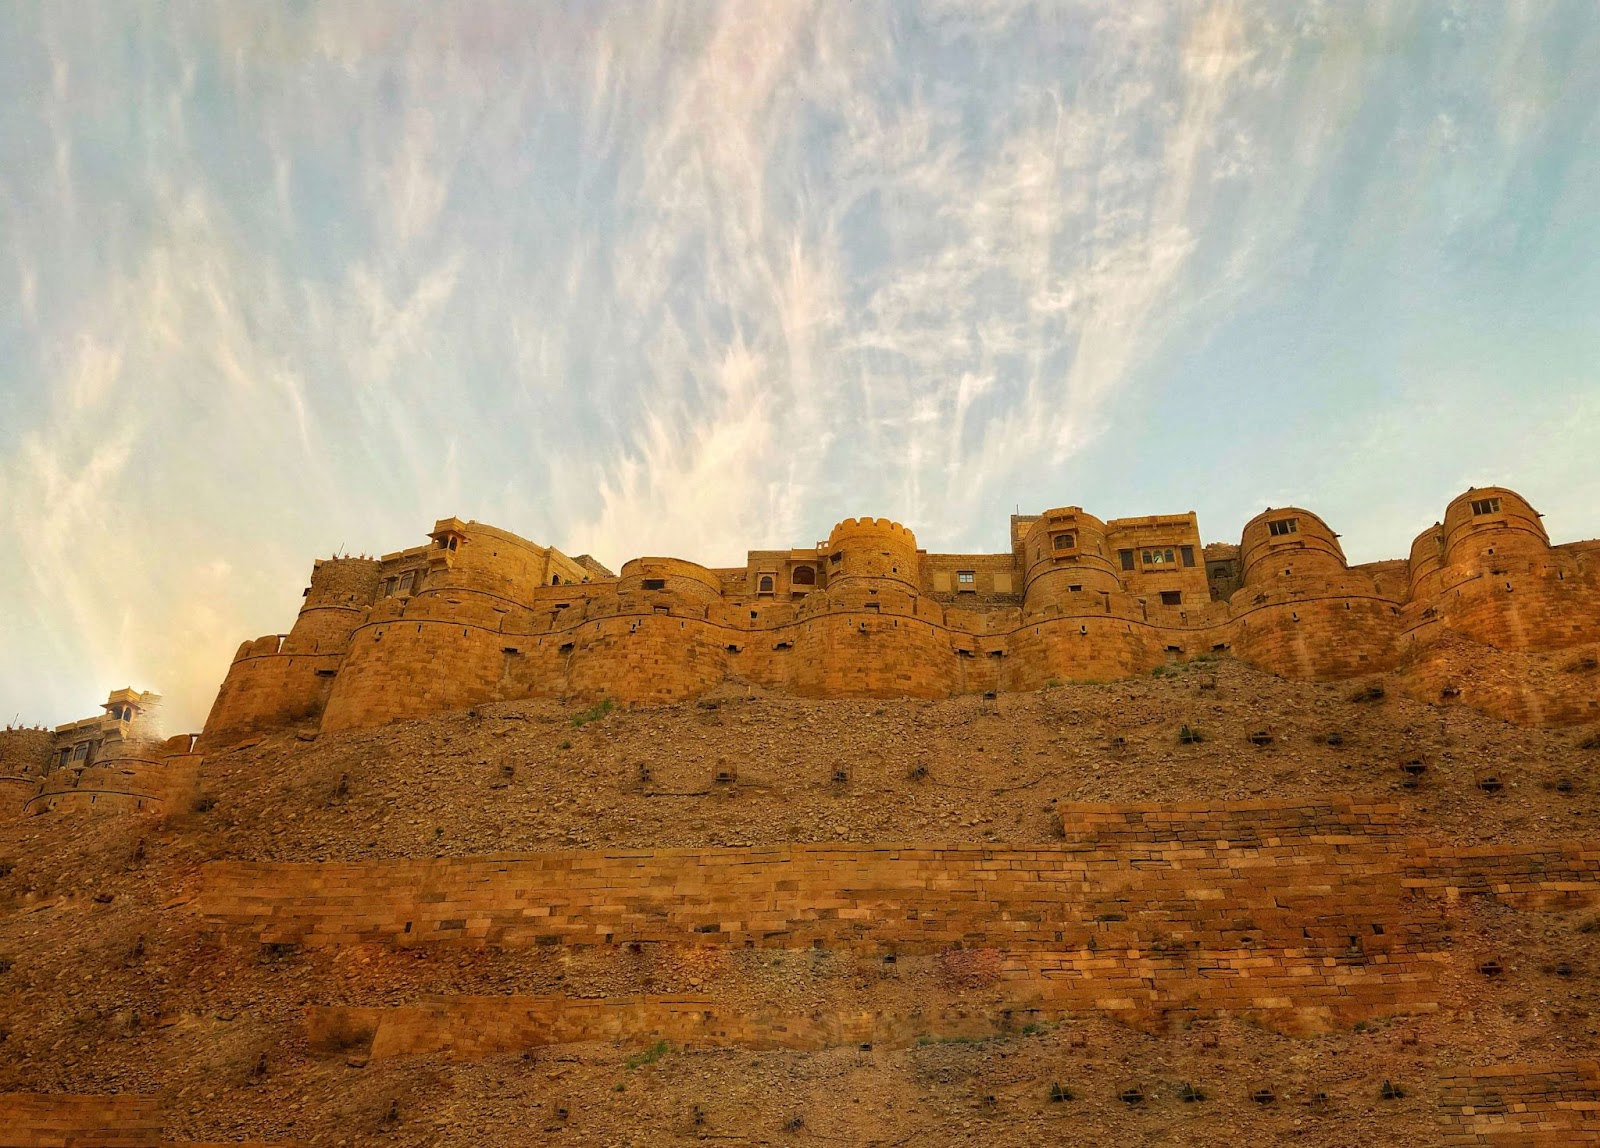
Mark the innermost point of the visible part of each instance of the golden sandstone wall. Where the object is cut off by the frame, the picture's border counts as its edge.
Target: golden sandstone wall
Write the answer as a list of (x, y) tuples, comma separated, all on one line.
[(1301, 916), (132, 777), (481, 615)]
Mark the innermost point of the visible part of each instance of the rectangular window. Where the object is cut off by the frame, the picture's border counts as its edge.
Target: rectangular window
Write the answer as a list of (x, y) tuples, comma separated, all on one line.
[(1172, 597), (835, 559), (1486, 506), (388, 587), (1064, 541), (406, 581), (1188, 555), (654, 583), (1127, 558), (1278, 526), (1075, 589), (80, 752), (966, 580), (1158, 557)]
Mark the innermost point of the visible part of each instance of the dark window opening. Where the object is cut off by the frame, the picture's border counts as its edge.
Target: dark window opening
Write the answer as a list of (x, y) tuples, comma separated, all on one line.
[(765, 585), (655, 583), (804, 576), (1172, 597), (406, 581), (1075, 589), (1485, 506), (326, 673), (1188, 555), (1280, 526), (836, 558), (878, 606), (1064, 541), (1127, 558), (663, 609)]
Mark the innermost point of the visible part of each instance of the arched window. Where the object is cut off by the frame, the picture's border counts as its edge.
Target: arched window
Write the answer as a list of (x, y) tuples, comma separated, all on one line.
[(805, 576), (765, 585)]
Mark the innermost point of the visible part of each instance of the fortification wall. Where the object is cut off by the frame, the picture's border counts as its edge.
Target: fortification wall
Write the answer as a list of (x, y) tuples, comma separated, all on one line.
[(1302, 916), (68, 1120), (470, 1027), (25, 752), (134, 777), (1317, 632), (1077, 599), (1521, 1106), (862, 652), (81, 1120), (266, 689), (1088, 646)]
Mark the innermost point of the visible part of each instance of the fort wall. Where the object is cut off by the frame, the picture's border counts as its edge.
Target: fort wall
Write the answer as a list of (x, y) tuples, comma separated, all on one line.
[(137, 777), (1300, 916), (481, 615)]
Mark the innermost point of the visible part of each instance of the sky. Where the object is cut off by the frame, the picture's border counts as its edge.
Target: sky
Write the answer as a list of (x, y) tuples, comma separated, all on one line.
[(281, 280)]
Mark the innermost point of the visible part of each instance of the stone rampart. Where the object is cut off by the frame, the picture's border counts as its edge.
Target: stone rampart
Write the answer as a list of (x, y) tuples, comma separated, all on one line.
[(69, 1120), (494, 617), (1521, 1106)]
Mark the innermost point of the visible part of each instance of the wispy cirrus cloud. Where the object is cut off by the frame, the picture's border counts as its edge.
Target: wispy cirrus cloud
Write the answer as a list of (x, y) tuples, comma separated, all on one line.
[(692, 278)]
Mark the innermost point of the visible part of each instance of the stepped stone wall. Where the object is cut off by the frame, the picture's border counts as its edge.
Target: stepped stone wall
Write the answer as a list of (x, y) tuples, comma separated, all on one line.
[(1522, 1106), (480, 615), (65, 1120), (1301, 916)]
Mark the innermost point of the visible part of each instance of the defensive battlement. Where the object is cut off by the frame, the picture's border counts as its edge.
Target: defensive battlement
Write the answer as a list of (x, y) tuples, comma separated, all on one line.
[(880, 525)]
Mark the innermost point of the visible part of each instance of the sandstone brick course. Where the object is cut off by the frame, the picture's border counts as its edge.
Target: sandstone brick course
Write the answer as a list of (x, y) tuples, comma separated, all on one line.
[(1522, 1106)]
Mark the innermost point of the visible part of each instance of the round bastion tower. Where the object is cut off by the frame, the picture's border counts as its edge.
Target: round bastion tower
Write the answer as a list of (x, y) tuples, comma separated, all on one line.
[(1302, 612), (867, 550), (1286, 543), (1426, 564), (1491, 523), (1064, 554), (1501, 583), (341, 589)]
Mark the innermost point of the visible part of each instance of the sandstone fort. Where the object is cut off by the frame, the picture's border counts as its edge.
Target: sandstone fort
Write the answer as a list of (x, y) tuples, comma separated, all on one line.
[(1118, 836)]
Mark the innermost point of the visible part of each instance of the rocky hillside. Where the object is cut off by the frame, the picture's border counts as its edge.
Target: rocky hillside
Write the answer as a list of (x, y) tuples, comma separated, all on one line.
[(652, 966)]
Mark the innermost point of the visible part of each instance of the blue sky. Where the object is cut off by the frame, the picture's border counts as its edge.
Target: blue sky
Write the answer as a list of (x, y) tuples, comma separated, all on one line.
[(689, 279)]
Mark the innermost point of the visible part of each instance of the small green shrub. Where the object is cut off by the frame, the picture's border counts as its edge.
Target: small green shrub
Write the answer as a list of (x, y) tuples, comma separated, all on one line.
[(594, 713), (649, 1056)]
